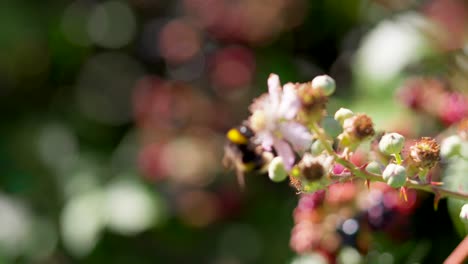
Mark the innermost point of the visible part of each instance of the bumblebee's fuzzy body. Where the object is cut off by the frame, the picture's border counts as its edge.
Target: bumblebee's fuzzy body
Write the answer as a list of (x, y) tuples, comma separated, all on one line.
[(241, 153)]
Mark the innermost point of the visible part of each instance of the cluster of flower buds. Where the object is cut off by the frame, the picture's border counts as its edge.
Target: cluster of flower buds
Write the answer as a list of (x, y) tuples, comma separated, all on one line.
[(286, 124)]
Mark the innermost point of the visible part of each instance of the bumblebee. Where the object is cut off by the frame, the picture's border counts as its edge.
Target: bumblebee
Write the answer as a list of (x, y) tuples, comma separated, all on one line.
[(242, 154)]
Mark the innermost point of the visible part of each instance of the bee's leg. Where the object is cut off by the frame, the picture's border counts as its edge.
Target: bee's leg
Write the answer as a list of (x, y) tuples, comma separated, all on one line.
[(241, 179)]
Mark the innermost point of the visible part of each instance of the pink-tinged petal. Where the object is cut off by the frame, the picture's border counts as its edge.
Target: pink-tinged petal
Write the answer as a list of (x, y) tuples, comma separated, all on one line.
[(290, 102), (274, 89), (338, 169), (265, 139), (285, 152), (296, 134)]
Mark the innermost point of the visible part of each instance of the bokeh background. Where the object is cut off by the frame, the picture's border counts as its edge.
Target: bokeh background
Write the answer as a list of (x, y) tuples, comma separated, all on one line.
[(113, 116)]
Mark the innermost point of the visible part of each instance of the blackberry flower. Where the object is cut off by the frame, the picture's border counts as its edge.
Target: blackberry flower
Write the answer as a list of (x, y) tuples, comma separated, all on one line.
[(273, 120), (314, 168)]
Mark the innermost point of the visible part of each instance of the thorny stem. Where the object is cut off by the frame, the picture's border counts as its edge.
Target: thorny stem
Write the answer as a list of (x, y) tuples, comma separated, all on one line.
[(362, 173)]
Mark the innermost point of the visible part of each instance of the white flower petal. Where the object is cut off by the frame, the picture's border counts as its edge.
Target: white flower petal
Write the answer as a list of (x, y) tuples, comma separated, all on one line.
[(260, 103), (327, 162), (264, 138), (285, 152), (290, 102), (274, 89), (296, 134)]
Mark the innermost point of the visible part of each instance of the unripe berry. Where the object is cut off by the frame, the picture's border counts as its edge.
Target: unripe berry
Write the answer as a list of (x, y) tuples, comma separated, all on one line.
[(325, 84), (391, 143), (317, 148), (342, 114), (394, 175), (373, 167), (276, 170), (451, 147)]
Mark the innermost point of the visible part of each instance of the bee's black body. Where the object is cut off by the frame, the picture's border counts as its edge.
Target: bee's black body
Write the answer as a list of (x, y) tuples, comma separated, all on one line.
[(241, 152)]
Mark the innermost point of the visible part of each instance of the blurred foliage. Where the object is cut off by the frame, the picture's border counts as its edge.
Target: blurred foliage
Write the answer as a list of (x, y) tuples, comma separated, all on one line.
[(113, 115)]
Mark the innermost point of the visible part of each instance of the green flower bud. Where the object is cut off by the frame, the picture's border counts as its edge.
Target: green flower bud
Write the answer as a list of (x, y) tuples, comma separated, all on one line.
[(394, 175), (373, 167), (317, 148), (325, 84), (276, 170), (451, 147), (391, 143), (342, 114)]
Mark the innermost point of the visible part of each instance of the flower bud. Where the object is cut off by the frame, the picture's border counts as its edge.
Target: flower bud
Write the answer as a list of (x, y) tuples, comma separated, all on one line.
[(359, 127), (313, 103), (325, 84), (451, 147), (342, 114), (373, 167), (391, 143), (425, 153), (276, 170), (317, 148), (394, 175), (464, 212)]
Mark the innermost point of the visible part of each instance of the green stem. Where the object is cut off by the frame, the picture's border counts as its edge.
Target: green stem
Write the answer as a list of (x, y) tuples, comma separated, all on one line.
[(362, 173), (398, 158), (423, 174)]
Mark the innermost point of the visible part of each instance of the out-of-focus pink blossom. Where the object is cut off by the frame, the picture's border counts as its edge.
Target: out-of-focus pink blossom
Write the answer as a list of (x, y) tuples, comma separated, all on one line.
[(149, 162), (228, 60), (432, 96), (456, 108), (451, 16), (341, 193), (305, 236)]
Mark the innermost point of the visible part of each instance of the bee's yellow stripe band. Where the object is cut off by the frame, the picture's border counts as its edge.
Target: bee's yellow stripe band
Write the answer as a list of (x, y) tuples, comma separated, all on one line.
[(235, 136), (249, 166)]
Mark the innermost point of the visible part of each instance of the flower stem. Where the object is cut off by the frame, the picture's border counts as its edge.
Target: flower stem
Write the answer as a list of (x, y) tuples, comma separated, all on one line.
[(398, 158), (362, 173)]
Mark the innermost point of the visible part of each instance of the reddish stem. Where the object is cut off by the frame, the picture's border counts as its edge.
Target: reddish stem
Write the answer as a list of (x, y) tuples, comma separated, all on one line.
[(459, 254)]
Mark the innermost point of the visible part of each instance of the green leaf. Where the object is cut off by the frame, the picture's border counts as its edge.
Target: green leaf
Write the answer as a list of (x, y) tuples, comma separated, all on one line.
[(455, 179)]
